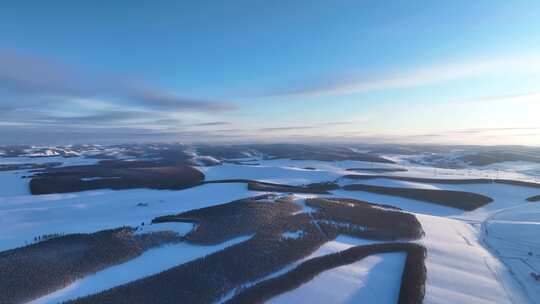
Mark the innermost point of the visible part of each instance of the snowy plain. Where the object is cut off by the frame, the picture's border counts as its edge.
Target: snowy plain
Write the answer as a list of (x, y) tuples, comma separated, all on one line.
[(23, 217), (483, 256), (374, 279)]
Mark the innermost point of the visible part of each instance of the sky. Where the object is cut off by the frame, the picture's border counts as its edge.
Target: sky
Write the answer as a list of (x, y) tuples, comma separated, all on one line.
[(444, 72)]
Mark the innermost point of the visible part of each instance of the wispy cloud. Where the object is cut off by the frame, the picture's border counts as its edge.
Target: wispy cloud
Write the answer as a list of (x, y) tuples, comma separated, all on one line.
[(272, 129), (47, 97), (421, 76), (56, 133), (321, 126), (528, 97), (211, 124), (166, 101), (486, 130), (27, 79)]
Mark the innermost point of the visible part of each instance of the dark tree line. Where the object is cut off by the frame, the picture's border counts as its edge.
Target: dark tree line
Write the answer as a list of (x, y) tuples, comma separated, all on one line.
[(35, 270), (535, 198), (456, 199), (115, 175)]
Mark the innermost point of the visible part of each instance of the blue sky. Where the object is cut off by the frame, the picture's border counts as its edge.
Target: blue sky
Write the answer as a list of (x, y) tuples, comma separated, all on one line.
[(367, 71)]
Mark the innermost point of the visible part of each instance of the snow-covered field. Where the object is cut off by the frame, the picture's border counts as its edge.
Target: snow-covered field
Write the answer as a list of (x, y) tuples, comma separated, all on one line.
[(375, 279), (483, 256), (23, 217), (460, 270), (69, 161), (514, 235), (13, 184)]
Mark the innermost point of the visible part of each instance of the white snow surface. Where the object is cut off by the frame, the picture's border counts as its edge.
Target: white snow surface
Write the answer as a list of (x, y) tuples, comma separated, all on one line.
[(23, 217), (285, 171), (66, 161), (460, 270), (292, 234), (180, 228), (374, 279), (12, 183), (513, 234), (469, 254)]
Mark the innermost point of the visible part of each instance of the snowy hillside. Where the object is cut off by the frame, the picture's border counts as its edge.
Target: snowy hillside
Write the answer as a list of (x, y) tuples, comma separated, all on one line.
[(490, 254)]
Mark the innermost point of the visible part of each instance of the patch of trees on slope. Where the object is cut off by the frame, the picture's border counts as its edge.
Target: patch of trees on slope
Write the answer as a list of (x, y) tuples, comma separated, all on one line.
[(29, 272), (208, 279)]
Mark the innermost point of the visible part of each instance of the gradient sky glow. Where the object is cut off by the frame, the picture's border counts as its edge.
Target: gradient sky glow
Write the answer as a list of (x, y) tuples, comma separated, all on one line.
[(233, 71)]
